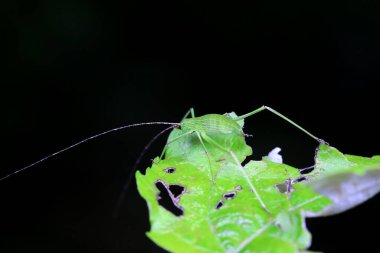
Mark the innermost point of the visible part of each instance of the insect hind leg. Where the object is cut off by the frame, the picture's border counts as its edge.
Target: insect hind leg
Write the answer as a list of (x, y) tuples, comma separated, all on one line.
[(208, 157), (264, 107), (232, 154)]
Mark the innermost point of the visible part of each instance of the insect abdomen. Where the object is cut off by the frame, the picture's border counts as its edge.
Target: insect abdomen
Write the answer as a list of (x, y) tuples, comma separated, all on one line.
[(212, 124)]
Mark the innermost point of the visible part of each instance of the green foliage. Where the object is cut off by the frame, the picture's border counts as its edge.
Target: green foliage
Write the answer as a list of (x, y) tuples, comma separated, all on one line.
[(346, 179), (220, 213)]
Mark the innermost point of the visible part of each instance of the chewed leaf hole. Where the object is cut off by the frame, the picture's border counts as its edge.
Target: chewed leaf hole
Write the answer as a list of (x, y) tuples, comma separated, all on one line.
[(307, 170), (170, 170), (176, 190), (299, 179), (167, 199), (229, 195), (219, 204), (238, 188), (285, 187)]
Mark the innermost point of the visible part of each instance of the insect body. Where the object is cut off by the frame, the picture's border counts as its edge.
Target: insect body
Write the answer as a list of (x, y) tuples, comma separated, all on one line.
[(211, 124), (211, 129), (215, 130)]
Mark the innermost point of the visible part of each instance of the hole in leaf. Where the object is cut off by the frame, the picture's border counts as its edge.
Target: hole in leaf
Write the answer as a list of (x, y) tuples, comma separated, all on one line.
[(285, 187), (299, 179), (238, 188), (219, 204), (247, 160), (307, 170), (176, 190), (167, 200), (229, 195), (170, 170)]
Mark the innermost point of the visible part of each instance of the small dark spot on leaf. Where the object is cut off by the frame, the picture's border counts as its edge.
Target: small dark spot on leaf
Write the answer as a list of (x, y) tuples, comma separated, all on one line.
[(219, 204), (277, 224), (238, 188), (229, 195), (170, 170), (167, 199), (285, 187)]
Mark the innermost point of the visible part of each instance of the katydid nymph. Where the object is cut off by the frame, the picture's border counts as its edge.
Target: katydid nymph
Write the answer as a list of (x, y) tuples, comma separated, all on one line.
[(203, 127)]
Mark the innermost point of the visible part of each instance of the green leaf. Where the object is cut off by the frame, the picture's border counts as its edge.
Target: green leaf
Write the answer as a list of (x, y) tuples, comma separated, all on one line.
[(346, 179), (241, 224)]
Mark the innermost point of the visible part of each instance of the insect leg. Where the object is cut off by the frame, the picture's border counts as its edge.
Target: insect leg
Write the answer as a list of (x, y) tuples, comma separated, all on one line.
[(191, 112), (262, 108), (232, 154), (173, 140), (208, 157)]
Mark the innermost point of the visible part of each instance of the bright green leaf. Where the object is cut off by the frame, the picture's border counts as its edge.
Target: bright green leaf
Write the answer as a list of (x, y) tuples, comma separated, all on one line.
[(346, 179), (240, 224)]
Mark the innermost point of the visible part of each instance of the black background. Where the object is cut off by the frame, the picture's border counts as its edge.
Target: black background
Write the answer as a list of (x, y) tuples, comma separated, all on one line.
[(74, 68)]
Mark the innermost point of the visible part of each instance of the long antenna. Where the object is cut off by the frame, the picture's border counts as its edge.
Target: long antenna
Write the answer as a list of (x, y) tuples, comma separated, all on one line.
[(121, 197), (85, 140)]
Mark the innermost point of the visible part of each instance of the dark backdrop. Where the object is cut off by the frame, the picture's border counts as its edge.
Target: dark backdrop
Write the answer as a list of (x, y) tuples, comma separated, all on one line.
[(74, 68)]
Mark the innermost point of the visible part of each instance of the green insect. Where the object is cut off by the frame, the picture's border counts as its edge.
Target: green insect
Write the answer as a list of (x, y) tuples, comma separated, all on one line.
[(211, 127), (207, 129), (202, 126)]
